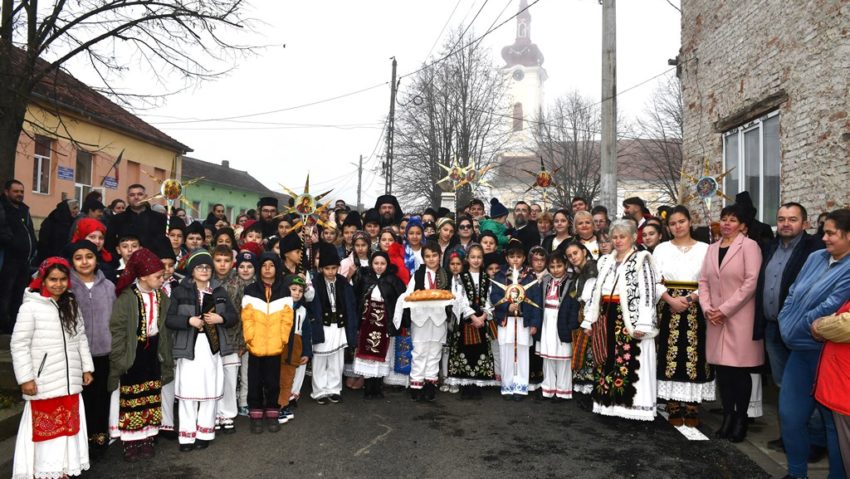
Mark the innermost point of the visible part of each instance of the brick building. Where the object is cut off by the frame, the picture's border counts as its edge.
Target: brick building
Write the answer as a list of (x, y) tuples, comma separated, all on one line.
[(766, 91)]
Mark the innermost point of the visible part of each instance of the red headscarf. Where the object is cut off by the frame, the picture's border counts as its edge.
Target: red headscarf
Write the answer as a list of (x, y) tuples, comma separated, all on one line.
[(87, 226), (36, 283), (142, 263)]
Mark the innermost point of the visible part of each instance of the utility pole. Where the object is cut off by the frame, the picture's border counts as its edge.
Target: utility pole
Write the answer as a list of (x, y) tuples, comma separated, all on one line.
[(608, 167), (388, 165), (359, 182)]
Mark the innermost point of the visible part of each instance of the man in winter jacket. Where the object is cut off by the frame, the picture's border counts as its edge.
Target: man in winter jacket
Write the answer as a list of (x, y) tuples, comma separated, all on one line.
[(17, 240), (138, 218)]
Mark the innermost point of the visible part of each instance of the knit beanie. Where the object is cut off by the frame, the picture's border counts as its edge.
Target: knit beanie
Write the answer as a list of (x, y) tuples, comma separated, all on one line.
[(497, 210), (199, 257), (246, 257)]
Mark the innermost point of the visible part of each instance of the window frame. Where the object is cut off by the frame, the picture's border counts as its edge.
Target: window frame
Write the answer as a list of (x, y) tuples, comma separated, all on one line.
[(740, 172), (38, 166)]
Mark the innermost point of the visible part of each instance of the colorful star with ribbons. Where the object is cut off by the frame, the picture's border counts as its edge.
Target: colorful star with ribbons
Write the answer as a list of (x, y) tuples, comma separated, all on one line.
[(515, 292), (308, 207)]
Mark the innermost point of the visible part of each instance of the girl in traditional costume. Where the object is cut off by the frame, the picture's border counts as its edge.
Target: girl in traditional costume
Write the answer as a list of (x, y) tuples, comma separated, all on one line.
[(52, 363)]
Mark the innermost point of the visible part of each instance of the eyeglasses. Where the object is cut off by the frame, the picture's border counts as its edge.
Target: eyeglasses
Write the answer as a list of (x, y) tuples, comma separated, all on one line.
[(203, 267), (465, 227)]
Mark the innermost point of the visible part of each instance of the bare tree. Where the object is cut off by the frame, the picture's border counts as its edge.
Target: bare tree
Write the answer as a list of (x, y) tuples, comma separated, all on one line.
[(660, 144), (450, 112), (163, 37), (567, 139)]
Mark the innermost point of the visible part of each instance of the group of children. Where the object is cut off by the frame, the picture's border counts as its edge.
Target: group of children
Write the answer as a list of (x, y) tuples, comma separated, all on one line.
[(222, 330)]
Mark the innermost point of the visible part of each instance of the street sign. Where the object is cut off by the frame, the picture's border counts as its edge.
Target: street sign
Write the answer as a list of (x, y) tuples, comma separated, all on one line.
[(65, 173), (110, 182)]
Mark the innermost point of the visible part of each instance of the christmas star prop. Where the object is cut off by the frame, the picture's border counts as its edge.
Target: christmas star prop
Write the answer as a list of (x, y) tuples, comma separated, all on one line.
[(171, 189), (542, 179), (515, 292), (307, 207), (705, 187)]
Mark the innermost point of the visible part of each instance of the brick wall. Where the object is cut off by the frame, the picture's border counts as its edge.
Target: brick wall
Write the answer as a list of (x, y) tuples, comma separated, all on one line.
[(740, 59)]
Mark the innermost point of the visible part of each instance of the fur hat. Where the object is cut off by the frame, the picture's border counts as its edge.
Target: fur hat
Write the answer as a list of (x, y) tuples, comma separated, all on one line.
[(390, 199), (161, 247), (267, 201), (353, 219), (328, 255), (497, 210), (78, 245), (493, 258), (290, 242), (195, 228), (371, 216)]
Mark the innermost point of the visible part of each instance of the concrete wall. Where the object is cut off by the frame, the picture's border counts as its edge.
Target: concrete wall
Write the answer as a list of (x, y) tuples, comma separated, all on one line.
[(207, 194), (742, 59)]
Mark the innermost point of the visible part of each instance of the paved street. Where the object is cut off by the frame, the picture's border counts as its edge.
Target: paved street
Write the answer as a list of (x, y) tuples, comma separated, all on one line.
[(450, 438)]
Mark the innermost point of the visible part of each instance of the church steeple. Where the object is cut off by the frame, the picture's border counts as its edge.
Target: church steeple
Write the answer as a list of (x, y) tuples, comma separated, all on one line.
[(523, 51)]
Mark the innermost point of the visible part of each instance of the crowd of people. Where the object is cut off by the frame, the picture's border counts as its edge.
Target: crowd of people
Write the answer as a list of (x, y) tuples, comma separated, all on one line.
[(137, 325)]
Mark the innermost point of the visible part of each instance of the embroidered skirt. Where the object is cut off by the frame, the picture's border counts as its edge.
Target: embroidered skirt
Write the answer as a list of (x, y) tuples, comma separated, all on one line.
[(398, 361), (54, 458), (139, 395), (583, 366), (625, 382), (471, 357), (373, 342), (683, 372)]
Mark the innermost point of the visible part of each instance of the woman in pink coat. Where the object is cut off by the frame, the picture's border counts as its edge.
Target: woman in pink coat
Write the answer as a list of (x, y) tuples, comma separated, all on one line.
[(727, 288)]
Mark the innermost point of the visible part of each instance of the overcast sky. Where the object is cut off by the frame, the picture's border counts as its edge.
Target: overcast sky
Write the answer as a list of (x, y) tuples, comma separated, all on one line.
[(334, 47)]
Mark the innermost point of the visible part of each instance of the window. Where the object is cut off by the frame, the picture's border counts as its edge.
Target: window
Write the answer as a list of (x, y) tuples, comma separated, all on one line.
[(517, 116), (228, 213), (83, 177), (41, 165), (752, 154)]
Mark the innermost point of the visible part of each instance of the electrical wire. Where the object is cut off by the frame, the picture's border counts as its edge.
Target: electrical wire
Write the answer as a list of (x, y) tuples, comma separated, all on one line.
[(442, 30)]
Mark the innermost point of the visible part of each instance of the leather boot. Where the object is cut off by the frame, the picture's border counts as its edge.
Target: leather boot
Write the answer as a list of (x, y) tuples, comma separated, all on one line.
[(725, 426), (739, 428)]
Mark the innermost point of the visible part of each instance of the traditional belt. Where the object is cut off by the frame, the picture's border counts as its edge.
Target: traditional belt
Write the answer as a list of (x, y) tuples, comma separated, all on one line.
[(553, 306), (689, 285), (610, 299)]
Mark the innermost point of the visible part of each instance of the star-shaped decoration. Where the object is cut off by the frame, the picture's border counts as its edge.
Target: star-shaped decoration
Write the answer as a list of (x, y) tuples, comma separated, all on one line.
[(473, 176), (172, 189), (705, 187), (542, 179), (307, 206), (515, 292)]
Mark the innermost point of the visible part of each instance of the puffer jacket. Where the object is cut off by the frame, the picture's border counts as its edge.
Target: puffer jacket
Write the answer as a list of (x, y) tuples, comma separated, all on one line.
[(184, 304), (96, 307), (267, 320), (44, 352)]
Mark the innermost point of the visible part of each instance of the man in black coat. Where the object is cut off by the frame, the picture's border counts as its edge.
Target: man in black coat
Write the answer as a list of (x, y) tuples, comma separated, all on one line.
[(138, 218), (17, 240), (524, 230), (782, 260), (390, 211)]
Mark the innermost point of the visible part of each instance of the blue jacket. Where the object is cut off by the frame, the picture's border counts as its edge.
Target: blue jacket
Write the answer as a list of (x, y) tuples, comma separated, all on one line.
[(531, 316), (807, 245), (819, 291)]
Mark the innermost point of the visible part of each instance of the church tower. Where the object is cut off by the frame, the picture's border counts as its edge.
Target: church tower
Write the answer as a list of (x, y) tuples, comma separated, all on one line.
[(524, 74)]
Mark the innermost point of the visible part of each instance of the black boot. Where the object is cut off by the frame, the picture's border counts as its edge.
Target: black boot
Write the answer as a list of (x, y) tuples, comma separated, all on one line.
[(378, 391), (367, 389), (739, 428), (725, 427)]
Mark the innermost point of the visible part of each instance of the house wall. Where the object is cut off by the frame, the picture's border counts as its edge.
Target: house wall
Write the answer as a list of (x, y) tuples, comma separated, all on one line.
[(740, 60), (139, 158), (208, 194)]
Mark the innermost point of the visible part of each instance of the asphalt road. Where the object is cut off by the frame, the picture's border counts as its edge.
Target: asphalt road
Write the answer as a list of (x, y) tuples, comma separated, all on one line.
[(396, 437)]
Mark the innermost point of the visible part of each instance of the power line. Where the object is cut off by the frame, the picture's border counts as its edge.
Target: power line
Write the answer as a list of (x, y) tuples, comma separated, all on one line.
[(279, 110), (442, 30)]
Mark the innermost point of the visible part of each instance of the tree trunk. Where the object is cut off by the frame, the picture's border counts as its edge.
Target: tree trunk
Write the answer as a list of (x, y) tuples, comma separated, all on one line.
[(13, 108)]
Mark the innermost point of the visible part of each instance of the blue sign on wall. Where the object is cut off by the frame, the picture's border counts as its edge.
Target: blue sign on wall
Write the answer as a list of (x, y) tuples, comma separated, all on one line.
[(110, 182), (65, 173)]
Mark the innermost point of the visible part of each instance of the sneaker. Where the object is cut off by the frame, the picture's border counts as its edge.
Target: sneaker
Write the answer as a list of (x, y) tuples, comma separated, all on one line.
[(243, 411), (335, 398), (322, 401), (282, 418), (288, 413)]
